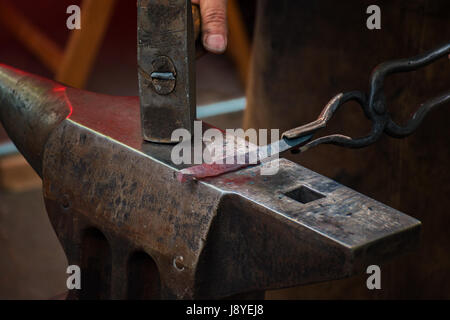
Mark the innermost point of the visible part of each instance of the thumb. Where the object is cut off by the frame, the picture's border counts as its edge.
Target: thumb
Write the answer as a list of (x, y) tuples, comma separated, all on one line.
[(214, 24)]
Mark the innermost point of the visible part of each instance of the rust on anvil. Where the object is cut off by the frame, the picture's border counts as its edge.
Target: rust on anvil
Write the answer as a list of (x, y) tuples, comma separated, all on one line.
[(136, 232), (166, 57)]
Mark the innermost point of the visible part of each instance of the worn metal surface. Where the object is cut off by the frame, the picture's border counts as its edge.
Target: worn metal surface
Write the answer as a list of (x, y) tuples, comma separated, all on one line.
[(166, 45), (136, 231), (374, 105), (40, 106)]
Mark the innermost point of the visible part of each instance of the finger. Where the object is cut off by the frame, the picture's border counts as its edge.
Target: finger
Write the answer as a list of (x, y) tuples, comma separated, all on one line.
[(214, 24)]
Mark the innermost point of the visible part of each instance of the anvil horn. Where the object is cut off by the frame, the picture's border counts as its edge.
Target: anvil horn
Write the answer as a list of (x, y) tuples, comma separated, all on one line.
[(30, 108)]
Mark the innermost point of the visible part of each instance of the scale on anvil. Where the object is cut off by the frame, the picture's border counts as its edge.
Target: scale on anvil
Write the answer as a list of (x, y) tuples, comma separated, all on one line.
[(110, 195)]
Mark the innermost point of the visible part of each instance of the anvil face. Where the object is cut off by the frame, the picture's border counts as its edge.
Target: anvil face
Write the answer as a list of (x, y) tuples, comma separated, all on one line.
[(236, 233)]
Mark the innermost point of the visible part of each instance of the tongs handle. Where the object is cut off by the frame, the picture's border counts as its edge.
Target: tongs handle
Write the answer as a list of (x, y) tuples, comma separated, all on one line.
[(374, 106)]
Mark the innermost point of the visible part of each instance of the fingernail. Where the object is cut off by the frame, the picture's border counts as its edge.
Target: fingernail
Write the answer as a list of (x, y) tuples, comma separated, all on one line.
[(215, 42)]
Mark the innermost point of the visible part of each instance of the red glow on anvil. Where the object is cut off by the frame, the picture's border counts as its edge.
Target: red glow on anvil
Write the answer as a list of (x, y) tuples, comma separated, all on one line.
[(66, 99)]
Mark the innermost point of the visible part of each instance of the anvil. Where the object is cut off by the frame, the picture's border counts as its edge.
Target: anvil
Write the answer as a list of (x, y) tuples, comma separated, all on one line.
[(137, 232)]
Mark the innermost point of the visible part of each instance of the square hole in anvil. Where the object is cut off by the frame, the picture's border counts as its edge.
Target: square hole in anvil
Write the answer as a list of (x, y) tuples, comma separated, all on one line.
[(304, 194)]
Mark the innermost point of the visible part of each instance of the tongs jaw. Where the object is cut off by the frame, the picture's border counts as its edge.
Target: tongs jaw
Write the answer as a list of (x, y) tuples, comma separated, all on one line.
[(374, 106)]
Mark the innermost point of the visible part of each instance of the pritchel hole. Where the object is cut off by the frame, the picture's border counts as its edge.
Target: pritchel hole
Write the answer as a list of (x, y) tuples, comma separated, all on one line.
[(304, 195)]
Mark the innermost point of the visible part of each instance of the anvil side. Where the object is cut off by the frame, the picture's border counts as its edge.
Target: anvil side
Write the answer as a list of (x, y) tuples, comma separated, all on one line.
[(237, 233)]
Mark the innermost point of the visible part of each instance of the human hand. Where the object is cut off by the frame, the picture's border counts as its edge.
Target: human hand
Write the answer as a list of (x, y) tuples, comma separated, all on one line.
[(214, 24)]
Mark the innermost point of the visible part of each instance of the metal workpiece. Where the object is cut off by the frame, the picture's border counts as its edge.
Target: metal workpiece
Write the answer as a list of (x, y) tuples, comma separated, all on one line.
[(166, 62), (137, 232), (244, 155)]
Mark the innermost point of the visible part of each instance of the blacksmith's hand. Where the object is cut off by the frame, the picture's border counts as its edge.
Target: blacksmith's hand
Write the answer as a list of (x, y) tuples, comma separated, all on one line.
[(214, 24)]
